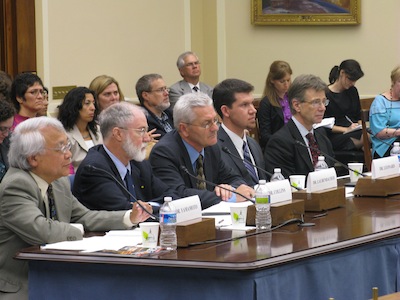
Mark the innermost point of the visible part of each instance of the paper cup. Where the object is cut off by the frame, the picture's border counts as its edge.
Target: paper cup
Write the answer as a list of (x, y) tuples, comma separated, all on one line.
[(298, 181), (238, 214), (149, 234), (358, 167)]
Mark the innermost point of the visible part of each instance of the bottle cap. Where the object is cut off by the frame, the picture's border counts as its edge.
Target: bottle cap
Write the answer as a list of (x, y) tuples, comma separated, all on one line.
[(277, 170), (167, 199), (321, 157), (262, 181)]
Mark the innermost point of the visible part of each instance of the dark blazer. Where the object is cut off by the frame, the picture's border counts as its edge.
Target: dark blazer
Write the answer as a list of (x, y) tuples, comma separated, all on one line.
[(96, 190), (282, 151), (153, 121), (169, 154), (4, 147), (236, 163), (270, 120), (182, 87)]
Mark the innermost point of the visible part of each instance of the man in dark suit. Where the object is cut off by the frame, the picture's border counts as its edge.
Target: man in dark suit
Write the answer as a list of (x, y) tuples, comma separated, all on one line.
[(189, 67), (191, 148), (153, 95), (233, 101), (124, 129), (37, 206), (307, 103)]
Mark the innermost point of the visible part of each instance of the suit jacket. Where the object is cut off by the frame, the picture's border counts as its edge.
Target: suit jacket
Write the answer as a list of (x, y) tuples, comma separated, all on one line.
[(153, 121), (169, 154), (282, 151), (23, 223), (270, 120), (182, 87), (79, 148), (4, 147), (237, 164), (97, 190)]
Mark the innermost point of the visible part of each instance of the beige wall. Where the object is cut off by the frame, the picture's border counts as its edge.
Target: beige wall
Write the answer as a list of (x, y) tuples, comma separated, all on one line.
[(80, 39)]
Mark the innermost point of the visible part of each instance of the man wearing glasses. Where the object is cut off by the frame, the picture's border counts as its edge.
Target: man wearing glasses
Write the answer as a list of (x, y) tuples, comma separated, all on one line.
[(37, 206), (191, 151), (121, 158), (190, 69), (296, 146)]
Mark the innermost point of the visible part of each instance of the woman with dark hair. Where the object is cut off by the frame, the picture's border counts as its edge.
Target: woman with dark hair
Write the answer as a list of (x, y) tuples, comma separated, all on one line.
[(78, 114), (274, 110), (344, 105), (6, 120)]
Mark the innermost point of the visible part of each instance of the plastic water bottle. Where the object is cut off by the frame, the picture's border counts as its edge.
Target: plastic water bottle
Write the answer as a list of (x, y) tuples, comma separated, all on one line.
[(321, 164), (168, 225), (277, 175), (395, 151), (263, 203)]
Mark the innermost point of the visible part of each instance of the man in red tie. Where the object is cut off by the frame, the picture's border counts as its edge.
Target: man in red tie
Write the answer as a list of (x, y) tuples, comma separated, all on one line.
[(296, 146)]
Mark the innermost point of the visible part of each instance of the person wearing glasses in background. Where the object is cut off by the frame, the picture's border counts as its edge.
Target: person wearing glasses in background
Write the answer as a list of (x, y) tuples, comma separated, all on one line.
[(189, 67), (28, 97), (121, 157), (308, 102), (6, 121), (192, 148), (37, 206)]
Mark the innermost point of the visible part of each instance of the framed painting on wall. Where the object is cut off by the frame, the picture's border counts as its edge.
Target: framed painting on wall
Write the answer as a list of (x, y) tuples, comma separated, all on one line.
[(305, 12)]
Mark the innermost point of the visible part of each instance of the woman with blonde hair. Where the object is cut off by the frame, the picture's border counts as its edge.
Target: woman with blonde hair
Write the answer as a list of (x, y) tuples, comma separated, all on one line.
[(107, 91)]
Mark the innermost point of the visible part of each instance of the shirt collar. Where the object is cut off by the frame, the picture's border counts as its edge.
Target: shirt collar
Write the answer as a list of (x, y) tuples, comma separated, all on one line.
[(193, 154), (118, 164), (236, 140), (42, 184)]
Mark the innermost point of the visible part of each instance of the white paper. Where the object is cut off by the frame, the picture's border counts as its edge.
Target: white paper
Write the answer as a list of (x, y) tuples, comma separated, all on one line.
[(326, 122), (385, 166)]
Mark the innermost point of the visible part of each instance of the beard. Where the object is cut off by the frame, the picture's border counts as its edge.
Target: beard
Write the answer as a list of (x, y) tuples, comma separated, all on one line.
[(134, 152)]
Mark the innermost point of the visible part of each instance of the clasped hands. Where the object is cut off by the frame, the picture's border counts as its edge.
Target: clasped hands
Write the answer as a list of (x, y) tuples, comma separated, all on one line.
[(226, 192)]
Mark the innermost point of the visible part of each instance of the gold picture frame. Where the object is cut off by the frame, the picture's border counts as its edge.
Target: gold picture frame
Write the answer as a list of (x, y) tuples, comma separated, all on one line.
[(305, 12)]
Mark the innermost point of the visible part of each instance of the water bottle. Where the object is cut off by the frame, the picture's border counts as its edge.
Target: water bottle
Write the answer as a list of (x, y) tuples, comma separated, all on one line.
[(277, 175), (395, 151), (168, 225), (321, 164), (263, 202)]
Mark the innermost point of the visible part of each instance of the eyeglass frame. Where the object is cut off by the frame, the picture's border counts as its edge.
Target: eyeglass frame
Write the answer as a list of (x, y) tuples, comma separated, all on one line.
[(205, 126), (140, 131), (63, 149), (318, 102), (5, 129), (192, 64), (36, 92), (161, 90)]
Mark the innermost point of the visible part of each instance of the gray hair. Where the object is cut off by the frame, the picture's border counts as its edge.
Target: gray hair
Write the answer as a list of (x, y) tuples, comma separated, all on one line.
[(183, 109), (27, 140), (180, 63), (301, 84), (117, 115), (144, 84)]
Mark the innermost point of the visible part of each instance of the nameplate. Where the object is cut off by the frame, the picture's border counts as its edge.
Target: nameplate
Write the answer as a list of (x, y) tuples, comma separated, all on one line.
[(188, 208), (280, 191), (385, 166), (321, 180)]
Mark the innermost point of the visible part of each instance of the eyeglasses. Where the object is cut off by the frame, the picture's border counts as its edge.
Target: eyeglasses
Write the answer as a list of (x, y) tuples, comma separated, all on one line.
[(140, 131), (63, 149), (318, 102), (192, 64), (5, 130), (161, 90), (206, 125), (35, 93)]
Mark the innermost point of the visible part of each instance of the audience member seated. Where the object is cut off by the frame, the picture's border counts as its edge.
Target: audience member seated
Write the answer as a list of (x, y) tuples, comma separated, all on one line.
[(233, 101), (28, 96), (274, 110), (43, 112), (344, 106), (37, 206), (384, 117), (307, 102), (5, 86), (189, 67), (121, 158), (192, 148), (6, 120), (106, 90), (78, 114)]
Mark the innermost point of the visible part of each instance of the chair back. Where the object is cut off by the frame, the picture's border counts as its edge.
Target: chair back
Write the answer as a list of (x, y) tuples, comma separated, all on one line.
[(365, 106), (255, 132)]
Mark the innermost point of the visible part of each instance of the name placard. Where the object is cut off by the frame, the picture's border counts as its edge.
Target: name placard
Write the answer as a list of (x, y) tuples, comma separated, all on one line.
[(385, 166), (187, 208), (280, 190), (321, 180)]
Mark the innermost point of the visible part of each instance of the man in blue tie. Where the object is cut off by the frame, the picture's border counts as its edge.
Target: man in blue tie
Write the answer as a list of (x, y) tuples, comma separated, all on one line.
[(121, 158)]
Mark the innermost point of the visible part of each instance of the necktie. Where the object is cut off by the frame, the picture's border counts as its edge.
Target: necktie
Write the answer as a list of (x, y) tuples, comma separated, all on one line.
[(52, 206), (201, 185), (195, 89), (314, 150), (129, 184), (248, 163)]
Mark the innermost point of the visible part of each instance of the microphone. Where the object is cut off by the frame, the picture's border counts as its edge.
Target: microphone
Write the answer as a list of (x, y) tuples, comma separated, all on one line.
[(93, 169), (184, 169), (226, 150), (330, 157)]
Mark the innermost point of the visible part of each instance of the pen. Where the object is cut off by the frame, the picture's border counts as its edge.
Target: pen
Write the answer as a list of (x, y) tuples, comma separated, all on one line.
[(348, 119)]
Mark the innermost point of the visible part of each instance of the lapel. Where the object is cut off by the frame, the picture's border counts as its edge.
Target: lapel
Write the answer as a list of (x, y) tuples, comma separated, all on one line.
[(75, 133), (111, 164), (279, 111), (185, 87), (302, 151), (184, 160), (227, 142)]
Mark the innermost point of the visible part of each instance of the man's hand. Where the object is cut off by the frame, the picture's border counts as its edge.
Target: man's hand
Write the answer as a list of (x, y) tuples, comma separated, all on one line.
[(137, 214), (224, 194), (245, 190)]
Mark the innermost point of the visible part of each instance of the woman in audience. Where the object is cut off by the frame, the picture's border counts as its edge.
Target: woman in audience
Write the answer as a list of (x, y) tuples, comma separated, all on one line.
[(6, 120), (274, 110), (107, 91), (384, 117), (28, 96), (78, 114), (344, 106)]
